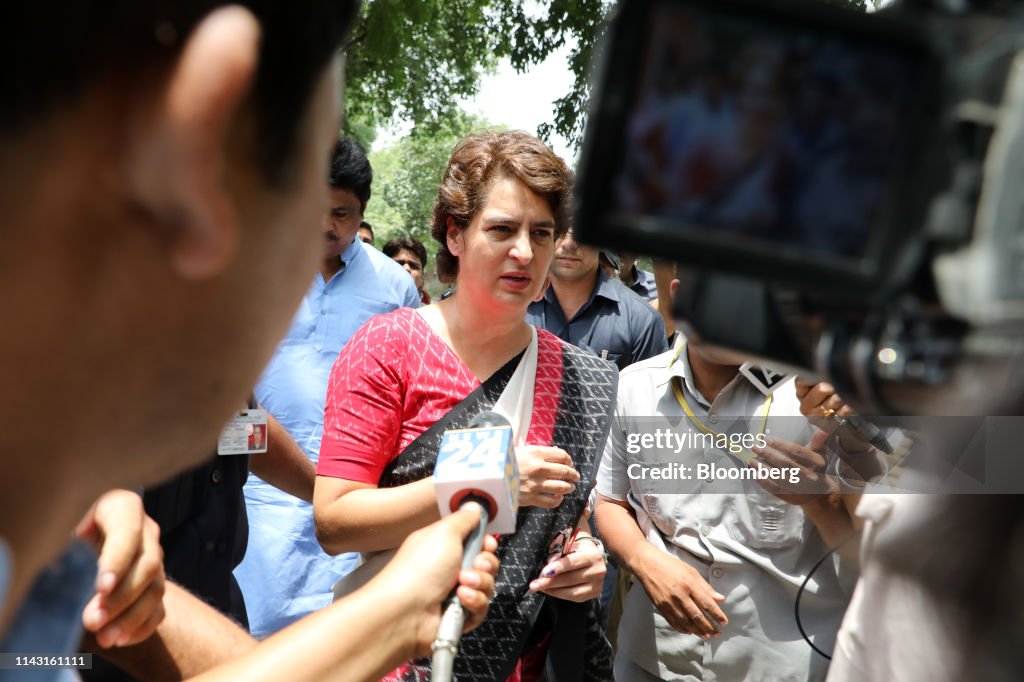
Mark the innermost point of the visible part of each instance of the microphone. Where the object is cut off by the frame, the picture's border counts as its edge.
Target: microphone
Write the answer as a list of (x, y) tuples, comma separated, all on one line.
[(474, 465), (479, 461), (865, 431), (860, 428)]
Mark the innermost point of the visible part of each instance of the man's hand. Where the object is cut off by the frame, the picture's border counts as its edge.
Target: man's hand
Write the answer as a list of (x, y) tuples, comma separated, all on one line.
[(818, 494), (577, 576), (427, 568), (128, 604), (546, 475), (821, 404), (681, 595), (811, 482)]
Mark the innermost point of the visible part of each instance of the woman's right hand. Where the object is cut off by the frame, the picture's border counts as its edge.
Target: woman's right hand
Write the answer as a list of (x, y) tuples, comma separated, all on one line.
[(546, 476)]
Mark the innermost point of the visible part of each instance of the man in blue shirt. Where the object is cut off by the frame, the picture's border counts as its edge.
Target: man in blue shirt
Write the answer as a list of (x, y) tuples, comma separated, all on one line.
[(285, 574), (589, 309)]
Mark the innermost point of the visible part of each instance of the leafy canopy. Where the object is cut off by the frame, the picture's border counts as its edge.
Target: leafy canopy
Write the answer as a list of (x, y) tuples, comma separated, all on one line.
[(412, 60)]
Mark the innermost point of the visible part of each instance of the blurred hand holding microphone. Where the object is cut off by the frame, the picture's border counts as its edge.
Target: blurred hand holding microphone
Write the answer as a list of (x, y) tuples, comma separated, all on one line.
[(476, 465)]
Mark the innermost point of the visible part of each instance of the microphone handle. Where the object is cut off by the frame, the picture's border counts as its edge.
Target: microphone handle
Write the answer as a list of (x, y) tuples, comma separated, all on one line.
[(475, 540), (453, 616), (867, 432)]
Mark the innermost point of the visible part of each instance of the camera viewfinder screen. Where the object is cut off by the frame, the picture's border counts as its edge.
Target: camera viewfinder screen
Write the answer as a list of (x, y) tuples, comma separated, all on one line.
[(751, 131)]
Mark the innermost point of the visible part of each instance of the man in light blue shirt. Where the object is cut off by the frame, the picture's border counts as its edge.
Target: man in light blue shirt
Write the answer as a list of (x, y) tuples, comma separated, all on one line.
[(285, 574)]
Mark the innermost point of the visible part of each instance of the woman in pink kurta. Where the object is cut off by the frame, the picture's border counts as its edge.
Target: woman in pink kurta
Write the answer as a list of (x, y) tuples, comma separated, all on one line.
[(407, 376)]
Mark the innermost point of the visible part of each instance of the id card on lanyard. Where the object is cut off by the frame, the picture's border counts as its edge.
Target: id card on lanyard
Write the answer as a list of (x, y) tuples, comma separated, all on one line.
[(245, 432)]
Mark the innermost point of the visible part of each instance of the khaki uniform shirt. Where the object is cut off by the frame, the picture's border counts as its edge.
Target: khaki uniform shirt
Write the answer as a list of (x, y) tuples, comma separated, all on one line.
[(750, 546)]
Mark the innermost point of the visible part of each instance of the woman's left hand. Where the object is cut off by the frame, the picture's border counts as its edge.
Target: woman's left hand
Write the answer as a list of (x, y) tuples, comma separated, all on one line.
[(546, 476), (577, 576)]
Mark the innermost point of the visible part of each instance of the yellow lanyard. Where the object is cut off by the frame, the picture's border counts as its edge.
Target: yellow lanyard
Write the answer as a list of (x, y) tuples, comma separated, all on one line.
[(736, 449)]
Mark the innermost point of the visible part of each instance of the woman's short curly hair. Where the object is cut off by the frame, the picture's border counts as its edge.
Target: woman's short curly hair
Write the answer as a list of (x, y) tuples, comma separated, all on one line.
[(476, 162)]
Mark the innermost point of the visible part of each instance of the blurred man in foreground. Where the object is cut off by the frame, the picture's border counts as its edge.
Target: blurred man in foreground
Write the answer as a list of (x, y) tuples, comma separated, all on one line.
[(207, 137)]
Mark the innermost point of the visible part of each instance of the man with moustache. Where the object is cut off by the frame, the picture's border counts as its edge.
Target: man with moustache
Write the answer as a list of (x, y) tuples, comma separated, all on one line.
[(410, 253), (589, 309), (285, 575)]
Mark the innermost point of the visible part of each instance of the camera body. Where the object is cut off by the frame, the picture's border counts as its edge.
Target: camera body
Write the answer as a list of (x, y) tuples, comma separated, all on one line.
[(845, 190)]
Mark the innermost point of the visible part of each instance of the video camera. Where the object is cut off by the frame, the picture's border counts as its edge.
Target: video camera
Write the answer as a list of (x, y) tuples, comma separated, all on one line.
[(849, 185)]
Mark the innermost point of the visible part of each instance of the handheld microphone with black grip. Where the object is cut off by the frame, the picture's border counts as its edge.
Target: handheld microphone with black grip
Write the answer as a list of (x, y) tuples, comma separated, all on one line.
[(865, 431), (480, 461), (474, 465)]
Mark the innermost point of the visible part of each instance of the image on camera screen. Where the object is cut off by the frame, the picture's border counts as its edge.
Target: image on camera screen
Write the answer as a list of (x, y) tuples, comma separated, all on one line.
[(746, 129)]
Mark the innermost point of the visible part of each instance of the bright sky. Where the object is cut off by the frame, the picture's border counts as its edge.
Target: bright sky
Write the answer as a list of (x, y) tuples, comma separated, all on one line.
[(518, 101), (525, 100)]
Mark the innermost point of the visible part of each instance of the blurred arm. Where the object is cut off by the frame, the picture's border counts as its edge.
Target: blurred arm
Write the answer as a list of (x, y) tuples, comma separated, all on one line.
[(378, 627), (193, 637)]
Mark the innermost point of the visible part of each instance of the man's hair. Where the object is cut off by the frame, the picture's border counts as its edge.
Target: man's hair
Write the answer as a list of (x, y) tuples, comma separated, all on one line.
[(367, 226), (392, 248), (476, 162), (52, 54), (351, 170)]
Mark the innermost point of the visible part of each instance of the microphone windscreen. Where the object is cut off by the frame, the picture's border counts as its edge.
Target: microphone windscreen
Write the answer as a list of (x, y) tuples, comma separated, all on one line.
[(488, 418), (479, 463)]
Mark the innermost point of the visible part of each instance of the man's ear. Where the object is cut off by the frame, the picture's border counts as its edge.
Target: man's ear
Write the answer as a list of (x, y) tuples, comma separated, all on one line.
[(454, 237), (673, 286), (178, 155)]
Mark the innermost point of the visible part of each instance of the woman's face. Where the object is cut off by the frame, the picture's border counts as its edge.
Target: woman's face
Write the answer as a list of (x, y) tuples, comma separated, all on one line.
[(505, 252)]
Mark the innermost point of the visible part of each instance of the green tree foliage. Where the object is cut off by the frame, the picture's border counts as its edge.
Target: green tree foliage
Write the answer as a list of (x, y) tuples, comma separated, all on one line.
[(413, 60), (539, 31), (405, 179)]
